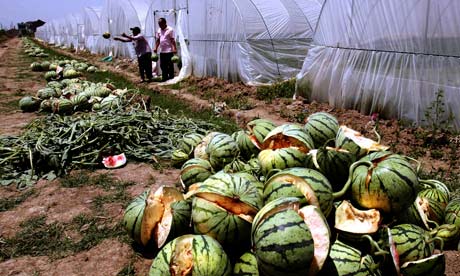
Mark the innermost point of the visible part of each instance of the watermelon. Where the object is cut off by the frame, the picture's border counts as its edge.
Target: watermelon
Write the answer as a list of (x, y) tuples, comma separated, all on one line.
[(309, 186), (287, 136), (247, 148), (322, 127), (383, 181), (354, 142), (197, 255), (258, 130), (36, 66), (223, 207), (62, 106), (334, 163), (175, 59), (91, 69), (222, 149), (115, 161), (452, 212), (246, 265), (166, 216), (271, 161), (154, 57), (351, 220), (281, 240), (50, 75), (189, 141), (132, 218), (29, 104), (434, 265), (347, 260), (45, 65), (195, 170), (449, 234), (412, 242), (178, 157), (200, 149)]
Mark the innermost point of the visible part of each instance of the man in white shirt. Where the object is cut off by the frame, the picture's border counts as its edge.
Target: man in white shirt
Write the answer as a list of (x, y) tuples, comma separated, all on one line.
[(166, 42), (143, 52)]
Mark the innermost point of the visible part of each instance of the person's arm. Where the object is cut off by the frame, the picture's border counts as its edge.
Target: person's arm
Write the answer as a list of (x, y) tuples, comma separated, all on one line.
[(122, 39), (172, 40), (157, 43)]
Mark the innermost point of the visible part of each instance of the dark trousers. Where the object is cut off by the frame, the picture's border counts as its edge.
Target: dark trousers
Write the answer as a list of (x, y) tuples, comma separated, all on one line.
[(145, 66), (166, 65)]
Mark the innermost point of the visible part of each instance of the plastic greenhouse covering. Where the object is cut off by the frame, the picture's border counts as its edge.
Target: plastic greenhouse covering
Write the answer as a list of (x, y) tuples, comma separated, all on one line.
[(391, 57), (255, 41)]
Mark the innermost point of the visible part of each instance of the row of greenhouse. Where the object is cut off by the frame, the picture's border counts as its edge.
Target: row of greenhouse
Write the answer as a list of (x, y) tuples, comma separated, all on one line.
[(377, 56)]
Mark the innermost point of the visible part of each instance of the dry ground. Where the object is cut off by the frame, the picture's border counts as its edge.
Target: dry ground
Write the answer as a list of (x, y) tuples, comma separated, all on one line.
[(65, 206)]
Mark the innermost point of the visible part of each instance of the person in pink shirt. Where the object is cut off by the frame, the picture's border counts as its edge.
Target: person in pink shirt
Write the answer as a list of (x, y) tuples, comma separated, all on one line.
[(143, 52), (166, 43)]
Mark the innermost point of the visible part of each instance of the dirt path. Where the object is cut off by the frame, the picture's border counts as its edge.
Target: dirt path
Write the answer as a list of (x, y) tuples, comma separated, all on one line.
[(15, 82)]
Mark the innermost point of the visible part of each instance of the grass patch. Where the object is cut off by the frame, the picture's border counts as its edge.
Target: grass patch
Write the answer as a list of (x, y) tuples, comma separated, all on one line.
[(9, 203), (37, 239), (94, 230), (285, 89), (128, 270), (14, 104)]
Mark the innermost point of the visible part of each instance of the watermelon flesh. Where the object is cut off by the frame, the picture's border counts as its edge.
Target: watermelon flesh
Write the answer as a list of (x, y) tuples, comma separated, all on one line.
[(115, 161)]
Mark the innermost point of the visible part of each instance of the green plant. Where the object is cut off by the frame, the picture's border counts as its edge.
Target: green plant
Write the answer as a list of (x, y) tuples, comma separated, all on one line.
[(437, 117), (285, 89), (9, 203)]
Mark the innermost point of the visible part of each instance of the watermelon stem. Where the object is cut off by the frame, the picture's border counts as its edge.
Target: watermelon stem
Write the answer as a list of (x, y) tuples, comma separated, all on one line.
[(379, 138), (440, 240), (375, 248), (419, 164), (347, 185)]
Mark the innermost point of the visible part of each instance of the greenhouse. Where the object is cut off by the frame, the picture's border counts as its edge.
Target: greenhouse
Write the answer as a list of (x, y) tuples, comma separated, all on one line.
[(252, 41), (395, 58)]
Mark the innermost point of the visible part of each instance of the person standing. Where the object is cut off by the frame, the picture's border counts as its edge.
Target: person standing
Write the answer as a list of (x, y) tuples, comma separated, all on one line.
[(143, 52), (166, 42)]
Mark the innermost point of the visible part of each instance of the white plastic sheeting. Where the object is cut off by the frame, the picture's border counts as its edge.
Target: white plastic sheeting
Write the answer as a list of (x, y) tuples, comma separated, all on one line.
[(256, 41), (386, 56)]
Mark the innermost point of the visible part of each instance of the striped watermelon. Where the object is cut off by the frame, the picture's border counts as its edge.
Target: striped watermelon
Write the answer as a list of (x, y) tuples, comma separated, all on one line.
[(322, 127), (160, 216), (452, 215), (433, 266), (189, 141), (62, 106), (346, 260), (258, 130), (222, 149), (436, 184), (334, 163), (110, 102), (384, 181), (271, 161), (246, 265), (390, 264), (195, 170), (50, 75), (236, 165), (281, 240), (132, 218), (288, 136), (45, 65), (200, 149), (178, 157), (36, 66), (436, 204), (309, 186), (247, 148), (196, 255), (356, 143), (412, 242), (223, 207)]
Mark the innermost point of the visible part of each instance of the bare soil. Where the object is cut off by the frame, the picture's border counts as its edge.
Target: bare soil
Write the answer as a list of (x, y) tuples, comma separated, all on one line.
[(439, 154)]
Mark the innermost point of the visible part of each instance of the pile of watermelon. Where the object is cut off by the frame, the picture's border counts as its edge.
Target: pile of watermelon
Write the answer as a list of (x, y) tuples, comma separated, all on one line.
[(71, 68), (72, 95), (313, 199), (32, 50)]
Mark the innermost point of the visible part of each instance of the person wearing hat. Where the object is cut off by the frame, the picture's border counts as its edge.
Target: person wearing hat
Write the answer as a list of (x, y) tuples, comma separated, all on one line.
[(143, 52), (166, 42)]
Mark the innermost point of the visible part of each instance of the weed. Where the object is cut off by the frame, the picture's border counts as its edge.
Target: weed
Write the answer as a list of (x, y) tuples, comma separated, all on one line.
[(239, 101), (9, 203), (437, 117), (79, 179), (128, 270), (285, 89)]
